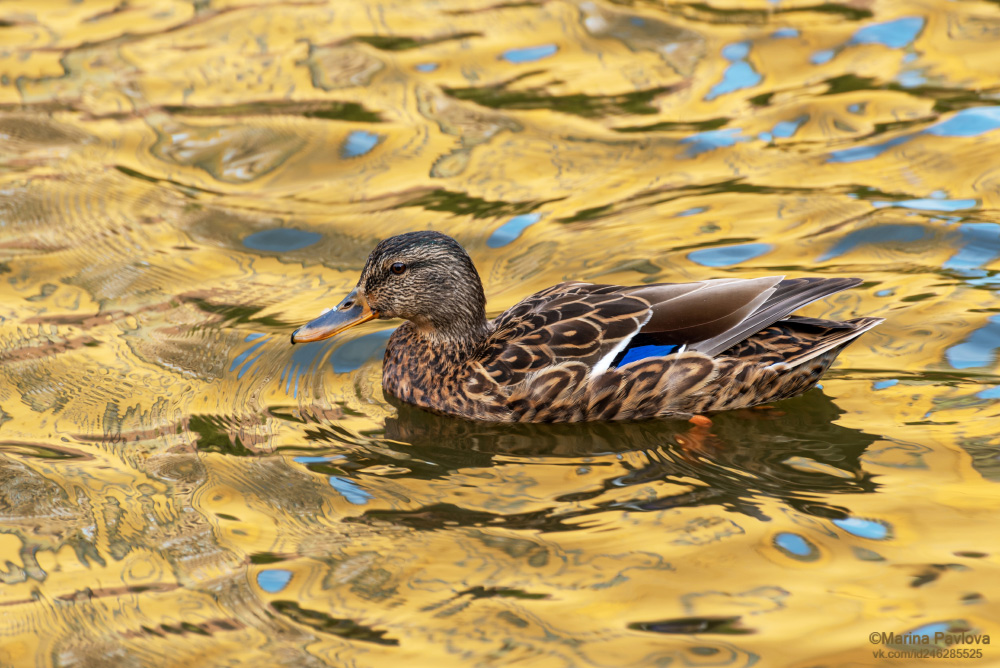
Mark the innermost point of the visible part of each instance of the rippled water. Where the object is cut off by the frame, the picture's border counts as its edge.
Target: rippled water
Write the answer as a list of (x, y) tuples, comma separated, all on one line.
[(184, 183)]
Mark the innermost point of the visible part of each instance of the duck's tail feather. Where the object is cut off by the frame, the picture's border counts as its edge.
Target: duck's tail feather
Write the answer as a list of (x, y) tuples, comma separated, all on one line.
[(838, 335)]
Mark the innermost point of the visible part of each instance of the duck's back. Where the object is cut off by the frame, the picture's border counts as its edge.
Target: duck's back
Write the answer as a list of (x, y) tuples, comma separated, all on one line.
[(578, 352)]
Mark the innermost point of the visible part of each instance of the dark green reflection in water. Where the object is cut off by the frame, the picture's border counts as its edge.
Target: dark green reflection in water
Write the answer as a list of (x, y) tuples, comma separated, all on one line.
[(794, 453)]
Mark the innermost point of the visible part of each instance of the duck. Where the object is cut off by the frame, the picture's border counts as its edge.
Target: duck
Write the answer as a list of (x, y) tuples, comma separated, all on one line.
[(580, 352)]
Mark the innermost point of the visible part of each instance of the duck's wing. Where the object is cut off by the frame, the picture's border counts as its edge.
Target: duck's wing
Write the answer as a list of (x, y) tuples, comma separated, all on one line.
[(578, 323), (587, 325), (592, 325), (718, 314)]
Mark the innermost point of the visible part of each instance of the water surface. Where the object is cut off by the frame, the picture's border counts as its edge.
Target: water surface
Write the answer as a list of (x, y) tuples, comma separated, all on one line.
[(182, 184)]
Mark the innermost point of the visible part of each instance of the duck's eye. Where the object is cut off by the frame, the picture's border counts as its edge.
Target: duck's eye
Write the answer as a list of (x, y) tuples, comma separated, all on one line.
[(397, 268)]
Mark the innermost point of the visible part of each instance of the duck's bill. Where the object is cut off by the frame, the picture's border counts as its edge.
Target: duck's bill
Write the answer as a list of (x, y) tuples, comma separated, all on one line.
[(354, 310)]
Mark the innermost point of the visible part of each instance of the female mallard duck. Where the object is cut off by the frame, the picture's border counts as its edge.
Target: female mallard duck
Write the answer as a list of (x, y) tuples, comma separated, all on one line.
[(579, 351)]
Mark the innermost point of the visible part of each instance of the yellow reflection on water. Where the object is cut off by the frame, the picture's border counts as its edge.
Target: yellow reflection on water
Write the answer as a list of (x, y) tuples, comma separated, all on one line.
[(184, 183)]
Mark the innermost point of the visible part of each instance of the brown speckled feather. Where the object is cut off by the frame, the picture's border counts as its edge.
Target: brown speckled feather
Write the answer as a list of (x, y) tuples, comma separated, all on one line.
[(562, 354), (538, 362)]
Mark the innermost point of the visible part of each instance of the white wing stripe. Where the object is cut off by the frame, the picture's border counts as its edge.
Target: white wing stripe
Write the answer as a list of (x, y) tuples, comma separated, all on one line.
[(605, 362)]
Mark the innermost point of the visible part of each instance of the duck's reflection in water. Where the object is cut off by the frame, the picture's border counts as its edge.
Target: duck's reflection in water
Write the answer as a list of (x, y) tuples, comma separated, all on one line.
[(794, 452)]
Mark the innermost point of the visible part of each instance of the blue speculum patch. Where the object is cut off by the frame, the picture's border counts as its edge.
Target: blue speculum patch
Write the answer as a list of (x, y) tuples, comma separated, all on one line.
[(637, 353)]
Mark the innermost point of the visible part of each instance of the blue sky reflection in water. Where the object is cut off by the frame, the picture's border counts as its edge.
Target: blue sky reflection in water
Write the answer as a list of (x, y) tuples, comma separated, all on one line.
[(512, 229), (965, 123), (359, 143), (739, 75), (185, 184), (896, 34), (979, 349), (273, 580), (727, 256), (530, 54), (281, 239)]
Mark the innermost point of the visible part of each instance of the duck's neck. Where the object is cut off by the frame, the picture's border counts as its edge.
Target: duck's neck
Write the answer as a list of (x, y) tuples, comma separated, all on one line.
[(458, 321), (422, 366), (427, 355), (460, 338)]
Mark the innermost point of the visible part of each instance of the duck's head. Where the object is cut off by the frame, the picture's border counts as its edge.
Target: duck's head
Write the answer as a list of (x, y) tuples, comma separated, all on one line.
[(424, 277)]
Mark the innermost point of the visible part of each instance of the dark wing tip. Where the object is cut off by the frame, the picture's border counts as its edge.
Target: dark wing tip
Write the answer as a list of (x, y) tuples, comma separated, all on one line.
[(851, 282), (789, 295)]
